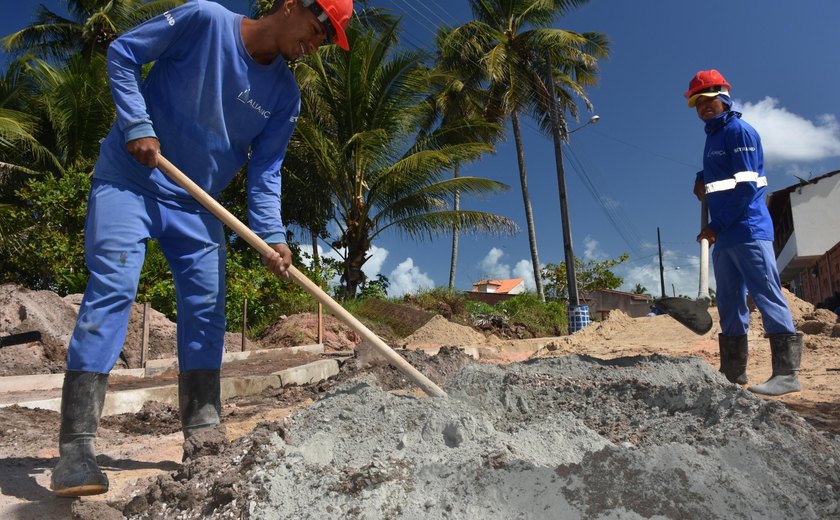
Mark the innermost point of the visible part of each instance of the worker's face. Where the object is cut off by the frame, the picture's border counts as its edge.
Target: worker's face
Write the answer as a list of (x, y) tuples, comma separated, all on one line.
[(307, 32), (709, 107)]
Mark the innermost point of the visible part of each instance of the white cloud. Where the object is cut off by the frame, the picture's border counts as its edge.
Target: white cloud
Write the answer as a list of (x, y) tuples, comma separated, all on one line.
[(609, 202), (788, 137), (524, 269), (681, 275), (591, 250), (491, 267), (373, 266), (406, 278)]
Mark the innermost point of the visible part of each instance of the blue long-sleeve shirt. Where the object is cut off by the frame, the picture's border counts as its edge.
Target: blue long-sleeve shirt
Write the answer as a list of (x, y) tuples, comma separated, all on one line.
[(733, 173), (210, 105)]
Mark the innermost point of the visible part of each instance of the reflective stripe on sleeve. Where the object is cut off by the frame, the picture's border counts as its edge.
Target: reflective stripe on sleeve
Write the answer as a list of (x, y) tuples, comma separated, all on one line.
[(729, 184)]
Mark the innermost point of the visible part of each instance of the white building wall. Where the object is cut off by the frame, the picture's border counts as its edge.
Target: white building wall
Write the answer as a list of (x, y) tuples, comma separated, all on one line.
[(816, 216)]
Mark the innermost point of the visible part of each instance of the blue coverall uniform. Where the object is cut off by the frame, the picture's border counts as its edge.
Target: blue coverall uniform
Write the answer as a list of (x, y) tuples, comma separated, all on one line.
[(743, 257), (212, 107)]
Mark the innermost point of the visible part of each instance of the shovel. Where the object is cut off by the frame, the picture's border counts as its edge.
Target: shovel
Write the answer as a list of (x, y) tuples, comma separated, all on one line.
[(263, 248), (694, 314)]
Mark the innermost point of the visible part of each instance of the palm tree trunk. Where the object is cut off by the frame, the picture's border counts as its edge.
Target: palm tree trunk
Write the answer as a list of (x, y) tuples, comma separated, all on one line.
[(454, 261), (316, 258), (526, 198), (358, 244)]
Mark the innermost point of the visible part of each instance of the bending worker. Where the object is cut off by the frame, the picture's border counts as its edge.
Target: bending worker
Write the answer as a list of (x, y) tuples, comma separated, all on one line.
[(220, 93), (733, 183)]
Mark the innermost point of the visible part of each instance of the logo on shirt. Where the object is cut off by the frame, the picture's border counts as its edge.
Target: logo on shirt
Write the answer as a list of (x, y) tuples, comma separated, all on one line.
[(245, 97), (744, 149), (169, 18), (716, 153), (293, 119)]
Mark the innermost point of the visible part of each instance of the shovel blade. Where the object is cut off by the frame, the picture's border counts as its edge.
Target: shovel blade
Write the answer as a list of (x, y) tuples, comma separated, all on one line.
[(694, 314)]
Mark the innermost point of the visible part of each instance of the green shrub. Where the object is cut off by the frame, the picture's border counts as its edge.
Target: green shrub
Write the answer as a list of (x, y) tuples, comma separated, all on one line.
[(541, 318), (439, 300)]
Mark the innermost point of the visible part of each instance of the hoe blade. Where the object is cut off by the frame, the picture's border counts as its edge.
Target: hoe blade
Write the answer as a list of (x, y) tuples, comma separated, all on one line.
[(694, 314)]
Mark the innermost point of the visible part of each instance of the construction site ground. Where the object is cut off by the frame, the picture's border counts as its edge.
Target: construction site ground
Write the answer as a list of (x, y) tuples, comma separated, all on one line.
[(627, 418)]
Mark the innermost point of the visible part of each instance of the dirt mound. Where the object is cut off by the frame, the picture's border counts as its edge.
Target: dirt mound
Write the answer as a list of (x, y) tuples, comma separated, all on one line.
[(440, 331), (367, 363), (806, 317), (560, 438), (24, 310), (616, 323), (302, 329)]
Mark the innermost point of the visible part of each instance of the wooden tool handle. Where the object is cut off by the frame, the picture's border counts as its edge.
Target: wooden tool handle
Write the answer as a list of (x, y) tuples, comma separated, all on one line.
[(703, 292), (263, 248)]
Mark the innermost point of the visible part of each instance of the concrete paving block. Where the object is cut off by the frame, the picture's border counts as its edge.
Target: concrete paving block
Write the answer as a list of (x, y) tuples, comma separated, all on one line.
[(127, 401), (309, 373), (131, 401), (31, 382), (245, 386), (51, 381)]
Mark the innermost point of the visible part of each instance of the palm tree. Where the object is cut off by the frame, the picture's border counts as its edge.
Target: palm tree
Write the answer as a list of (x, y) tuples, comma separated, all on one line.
[(359, 122), (77, 107), (507, 41), (91, 27), (20, 150), (456, 96)]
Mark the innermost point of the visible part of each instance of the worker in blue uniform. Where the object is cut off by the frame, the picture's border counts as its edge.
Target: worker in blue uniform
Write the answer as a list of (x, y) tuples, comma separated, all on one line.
[(220, 93), (733, 184)]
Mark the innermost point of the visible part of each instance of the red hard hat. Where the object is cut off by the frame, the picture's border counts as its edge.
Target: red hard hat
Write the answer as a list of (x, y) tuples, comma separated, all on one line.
[(339, 13), (706, 79)]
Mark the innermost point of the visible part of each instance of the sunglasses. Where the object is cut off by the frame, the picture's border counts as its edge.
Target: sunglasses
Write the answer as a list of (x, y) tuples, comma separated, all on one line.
[(322, 17)]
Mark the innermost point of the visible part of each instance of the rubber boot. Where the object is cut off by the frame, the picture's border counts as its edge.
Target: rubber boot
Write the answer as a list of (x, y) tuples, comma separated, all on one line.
[(82, 398), (734, 352), (787, 354), (199, 398)]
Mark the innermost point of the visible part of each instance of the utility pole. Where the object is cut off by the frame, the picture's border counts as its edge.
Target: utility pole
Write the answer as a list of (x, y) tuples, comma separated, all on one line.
[(568, 252), (661, 267)]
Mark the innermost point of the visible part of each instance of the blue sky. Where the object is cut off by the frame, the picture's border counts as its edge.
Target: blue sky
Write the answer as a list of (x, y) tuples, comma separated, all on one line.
[(633, 171)]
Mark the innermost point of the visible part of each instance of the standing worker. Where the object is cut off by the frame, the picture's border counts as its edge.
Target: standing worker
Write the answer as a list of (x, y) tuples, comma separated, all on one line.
[(733, 183), (220, 93)]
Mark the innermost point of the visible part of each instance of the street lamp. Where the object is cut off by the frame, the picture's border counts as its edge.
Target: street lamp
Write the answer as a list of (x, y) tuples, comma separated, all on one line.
[(578, 314), (592, 120)]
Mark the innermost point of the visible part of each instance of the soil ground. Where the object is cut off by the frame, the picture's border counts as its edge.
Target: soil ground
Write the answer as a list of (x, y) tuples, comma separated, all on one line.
[(625, 419)]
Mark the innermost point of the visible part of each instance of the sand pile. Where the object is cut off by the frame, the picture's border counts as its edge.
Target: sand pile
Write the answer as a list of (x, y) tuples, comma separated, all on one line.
[(440, 331), (574, 437), (616, 323), (806, 318)]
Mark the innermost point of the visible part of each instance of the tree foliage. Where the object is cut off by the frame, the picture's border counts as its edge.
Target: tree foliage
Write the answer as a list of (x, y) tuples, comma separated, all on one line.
[(379, 133), (358, 131), (506, 45), (591, 276)]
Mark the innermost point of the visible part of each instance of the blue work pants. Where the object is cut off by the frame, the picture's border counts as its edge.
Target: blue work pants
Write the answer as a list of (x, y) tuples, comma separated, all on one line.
[(750, 267), (119, 223)]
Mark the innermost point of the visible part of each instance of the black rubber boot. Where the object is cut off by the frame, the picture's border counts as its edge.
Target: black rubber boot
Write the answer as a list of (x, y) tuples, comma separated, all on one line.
[(787, 354), (734, 352), (199, 398), (82, 398)]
